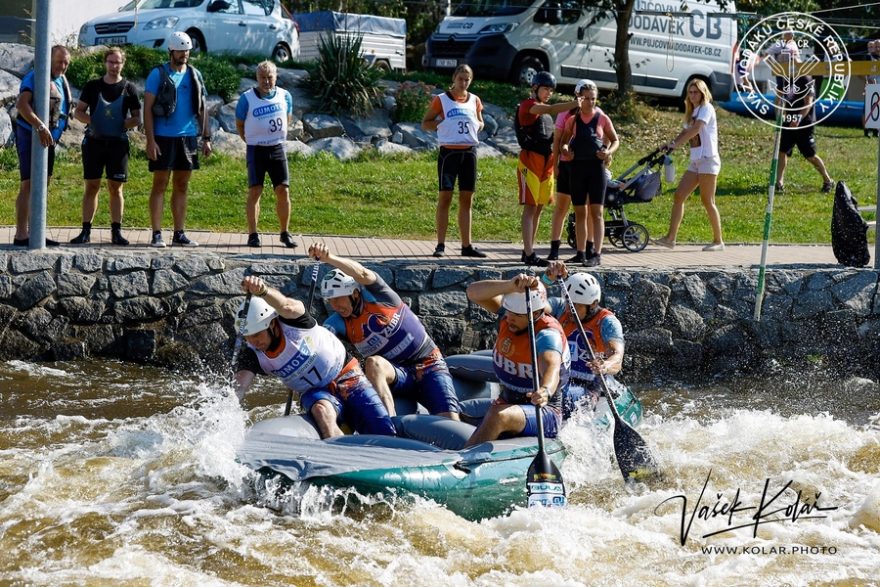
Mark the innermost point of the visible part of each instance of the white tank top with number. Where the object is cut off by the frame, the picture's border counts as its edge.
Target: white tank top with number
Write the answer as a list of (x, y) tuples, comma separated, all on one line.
[(311, 359), (266, 122), (460, 123)]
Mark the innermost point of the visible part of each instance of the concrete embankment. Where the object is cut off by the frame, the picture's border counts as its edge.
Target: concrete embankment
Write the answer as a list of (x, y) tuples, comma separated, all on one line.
[(178, 308)]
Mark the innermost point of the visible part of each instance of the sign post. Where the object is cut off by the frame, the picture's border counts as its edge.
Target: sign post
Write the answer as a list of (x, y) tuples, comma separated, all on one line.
[(872, 120)]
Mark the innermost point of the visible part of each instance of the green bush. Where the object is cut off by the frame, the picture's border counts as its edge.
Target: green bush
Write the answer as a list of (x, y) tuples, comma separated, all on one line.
[(413, 99), (220, 77), (341, 80)]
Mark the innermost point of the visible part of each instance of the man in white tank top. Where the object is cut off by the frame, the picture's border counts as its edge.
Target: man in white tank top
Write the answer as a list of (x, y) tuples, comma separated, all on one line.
[(283, 340)]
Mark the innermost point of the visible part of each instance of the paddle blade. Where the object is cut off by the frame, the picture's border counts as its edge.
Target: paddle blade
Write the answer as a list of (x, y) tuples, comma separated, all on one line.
[(544, 483), (633, 455)]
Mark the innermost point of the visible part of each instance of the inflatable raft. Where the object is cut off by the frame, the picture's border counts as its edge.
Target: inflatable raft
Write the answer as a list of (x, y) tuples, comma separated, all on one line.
[(428, 457)]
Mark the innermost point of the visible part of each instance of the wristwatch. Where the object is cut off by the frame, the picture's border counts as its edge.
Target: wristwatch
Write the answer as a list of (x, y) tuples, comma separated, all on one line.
[(41, 128)]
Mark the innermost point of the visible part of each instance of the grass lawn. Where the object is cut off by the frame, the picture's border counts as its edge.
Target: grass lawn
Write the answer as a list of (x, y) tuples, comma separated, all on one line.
[(396, 197)]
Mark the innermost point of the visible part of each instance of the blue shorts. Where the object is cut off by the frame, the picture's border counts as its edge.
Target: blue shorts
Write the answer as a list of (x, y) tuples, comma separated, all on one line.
[(552, 421), (356, 403), (23, 139), (429, 383)]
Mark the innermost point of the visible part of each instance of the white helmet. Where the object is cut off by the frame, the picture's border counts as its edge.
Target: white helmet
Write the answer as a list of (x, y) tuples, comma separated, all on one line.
[(259, 315), (337, 284), (516, 302), (583, 288), (179, 41)]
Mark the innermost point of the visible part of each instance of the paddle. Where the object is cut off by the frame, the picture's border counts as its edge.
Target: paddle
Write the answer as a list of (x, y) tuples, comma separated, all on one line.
[(544, 484), (289, 404), (631, 451), (242, 323)]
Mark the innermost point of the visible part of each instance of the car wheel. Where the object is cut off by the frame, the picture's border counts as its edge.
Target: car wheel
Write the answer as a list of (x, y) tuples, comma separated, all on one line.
[(198, 40), (526, 68), (281, 53)]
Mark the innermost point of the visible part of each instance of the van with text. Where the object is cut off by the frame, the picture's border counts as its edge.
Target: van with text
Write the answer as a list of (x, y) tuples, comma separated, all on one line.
[(514, 39)]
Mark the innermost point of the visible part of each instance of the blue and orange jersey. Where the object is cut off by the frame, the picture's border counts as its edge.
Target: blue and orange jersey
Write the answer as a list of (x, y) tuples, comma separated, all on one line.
[(384, 326), (512, 356), (601, 328)]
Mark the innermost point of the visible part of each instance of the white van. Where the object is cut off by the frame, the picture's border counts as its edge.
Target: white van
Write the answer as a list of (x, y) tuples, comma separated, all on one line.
[(513, 39)]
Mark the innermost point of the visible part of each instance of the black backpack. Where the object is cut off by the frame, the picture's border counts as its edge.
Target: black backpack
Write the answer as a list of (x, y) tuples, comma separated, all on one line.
[(849, 231), (527, 136), (166, 95)]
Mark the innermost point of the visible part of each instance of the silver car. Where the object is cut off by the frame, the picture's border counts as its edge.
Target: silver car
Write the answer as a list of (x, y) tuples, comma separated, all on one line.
[(261, 27)]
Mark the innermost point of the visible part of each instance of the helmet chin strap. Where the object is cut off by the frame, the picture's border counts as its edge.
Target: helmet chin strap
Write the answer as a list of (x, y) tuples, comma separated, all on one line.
[(357, 305)]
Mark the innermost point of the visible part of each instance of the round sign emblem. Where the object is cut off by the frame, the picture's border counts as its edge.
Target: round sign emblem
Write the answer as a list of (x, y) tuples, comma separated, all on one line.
[(802, 60)]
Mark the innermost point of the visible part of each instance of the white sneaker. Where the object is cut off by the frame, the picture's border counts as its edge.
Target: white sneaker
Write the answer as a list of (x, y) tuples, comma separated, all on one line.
[(663, 242), (157, 242), (713, 247)]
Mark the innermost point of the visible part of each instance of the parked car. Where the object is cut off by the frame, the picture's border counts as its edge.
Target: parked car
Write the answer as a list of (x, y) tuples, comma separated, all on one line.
[(261, 27)]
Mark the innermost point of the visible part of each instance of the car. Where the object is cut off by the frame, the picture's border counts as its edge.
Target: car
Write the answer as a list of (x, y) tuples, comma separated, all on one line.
[(260, 27)]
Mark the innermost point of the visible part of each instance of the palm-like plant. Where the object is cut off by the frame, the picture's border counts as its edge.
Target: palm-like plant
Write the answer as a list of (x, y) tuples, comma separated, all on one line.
[(341, 80)]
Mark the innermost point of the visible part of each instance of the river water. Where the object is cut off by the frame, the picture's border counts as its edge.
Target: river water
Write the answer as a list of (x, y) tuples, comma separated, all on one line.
[(112, 474)]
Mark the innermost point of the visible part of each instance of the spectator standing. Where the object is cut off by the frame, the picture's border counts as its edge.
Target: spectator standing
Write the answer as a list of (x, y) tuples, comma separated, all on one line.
[(105, 146), (48, 132), (534, 171), (261, 118), (457, 116), (174, 116)]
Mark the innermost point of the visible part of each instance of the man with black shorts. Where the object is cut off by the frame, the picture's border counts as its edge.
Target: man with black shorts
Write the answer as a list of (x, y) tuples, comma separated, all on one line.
[(261, 118), (103, 106), (798, 128), (48, 134), (174, 117)]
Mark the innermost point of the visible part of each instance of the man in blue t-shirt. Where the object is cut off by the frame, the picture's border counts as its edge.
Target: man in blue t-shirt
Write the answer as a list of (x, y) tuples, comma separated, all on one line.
[(48, 133), (172, 131)]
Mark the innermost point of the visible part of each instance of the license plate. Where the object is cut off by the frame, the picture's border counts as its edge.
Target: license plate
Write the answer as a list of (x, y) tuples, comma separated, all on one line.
[(446, 62), (117, 40)]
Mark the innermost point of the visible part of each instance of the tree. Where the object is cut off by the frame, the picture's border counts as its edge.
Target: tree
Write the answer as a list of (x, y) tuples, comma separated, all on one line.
[(622, 11)]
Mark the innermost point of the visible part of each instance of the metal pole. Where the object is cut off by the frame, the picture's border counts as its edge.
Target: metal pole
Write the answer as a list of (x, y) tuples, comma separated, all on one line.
[(768, 216), (877, 214), (39, 154)]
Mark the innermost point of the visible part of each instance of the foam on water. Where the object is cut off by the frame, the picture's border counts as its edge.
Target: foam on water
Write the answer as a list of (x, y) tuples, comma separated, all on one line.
[(158, 498)]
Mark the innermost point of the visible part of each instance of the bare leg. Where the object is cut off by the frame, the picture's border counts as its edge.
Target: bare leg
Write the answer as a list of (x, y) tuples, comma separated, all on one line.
[(157, 198), (22, 209), (597, 227), (253, 207), (117, 201), (324, 415), (689, 182), (528, 231), (381, 375), (780, 168), (820, 167), (499, 419), (179, 186), (560, 213), (707, 195), (581, 228), (444, 202), (90, 198), (282, 207), (536, 223), (465, 201)]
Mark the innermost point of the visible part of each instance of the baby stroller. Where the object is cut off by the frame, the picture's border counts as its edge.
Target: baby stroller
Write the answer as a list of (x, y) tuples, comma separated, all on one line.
[(636, 189)]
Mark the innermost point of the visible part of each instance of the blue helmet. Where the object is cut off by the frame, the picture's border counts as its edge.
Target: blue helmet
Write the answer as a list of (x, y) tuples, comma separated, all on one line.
[(544, 79)]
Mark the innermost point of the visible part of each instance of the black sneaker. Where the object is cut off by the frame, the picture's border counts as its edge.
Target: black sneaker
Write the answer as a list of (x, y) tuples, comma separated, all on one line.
[(81, 239), (522, 257), (182, 240), (470, 251), (579, 258), (536, 261), (117, 239), (827, 186), (593, 261), (439, 250), (51, 243), (553, 257), (156, 242), (21, 242), (254, 240), (287, 240)]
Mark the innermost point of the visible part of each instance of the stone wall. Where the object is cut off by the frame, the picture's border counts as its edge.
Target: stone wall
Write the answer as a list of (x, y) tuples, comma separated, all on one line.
[(178, 310)]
